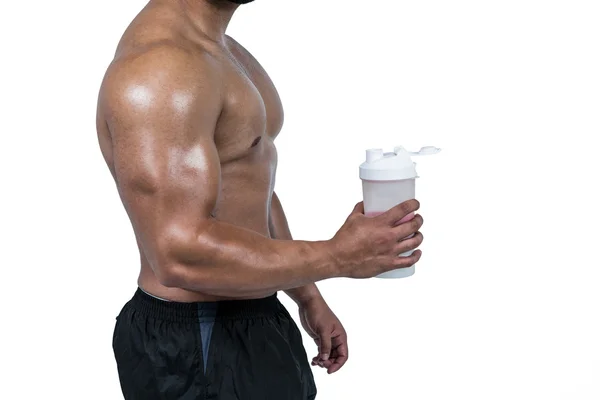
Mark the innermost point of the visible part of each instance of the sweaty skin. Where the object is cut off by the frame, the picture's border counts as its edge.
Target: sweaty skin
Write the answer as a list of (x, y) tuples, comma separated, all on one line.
[(186, 123)]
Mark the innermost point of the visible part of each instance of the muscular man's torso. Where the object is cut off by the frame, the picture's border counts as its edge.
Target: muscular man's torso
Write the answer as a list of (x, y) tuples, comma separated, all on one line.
[(251, 119)]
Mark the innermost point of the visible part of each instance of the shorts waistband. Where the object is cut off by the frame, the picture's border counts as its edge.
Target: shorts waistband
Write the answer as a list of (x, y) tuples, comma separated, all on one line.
[(211, 310)]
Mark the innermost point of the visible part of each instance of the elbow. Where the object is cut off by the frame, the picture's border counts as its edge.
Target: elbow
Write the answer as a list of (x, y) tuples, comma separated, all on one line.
[(175, 272), (167, 268), (178, 261), (181, 276), (167, 260), (169, 275)]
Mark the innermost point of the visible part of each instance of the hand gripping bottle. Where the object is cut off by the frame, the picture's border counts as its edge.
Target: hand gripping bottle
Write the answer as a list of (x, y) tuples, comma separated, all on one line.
[(388, 179)]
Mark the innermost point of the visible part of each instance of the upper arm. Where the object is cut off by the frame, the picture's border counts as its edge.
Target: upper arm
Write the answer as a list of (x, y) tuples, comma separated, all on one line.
[(161, 108)]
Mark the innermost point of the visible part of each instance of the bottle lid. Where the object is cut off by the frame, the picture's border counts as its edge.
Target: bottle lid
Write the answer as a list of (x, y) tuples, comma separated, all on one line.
[(397, 165)]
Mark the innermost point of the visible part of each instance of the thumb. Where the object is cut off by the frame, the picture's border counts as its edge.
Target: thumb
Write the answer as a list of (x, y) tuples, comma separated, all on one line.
[(359, 208), (325, 346)]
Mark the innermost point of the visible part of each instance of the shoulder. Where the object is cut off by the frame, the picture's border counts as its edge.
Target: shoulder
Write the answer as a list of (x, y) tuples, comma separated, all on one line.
[(240, 50), (161, 76), (234, 43)]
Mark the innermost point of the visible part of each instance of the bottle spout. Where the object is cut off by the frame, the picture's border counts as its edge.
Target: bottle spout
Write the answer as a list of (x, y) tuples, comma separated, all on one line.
[(374, 155)]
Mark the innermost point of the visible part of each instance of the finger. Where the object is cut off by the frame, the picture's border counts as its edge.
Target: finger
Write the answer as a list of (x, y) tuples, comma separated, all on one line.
[(409, 244), (408, 228), (400, 211), (339, 363), (403, 262), (359, 208), (317, 358), (325, 346), (341, 357), (323, 364)]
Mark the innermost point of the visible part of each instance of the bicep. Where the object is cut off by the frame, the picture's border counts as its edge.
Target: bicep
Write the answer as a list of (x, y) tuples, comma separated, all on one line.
[(163, 183)]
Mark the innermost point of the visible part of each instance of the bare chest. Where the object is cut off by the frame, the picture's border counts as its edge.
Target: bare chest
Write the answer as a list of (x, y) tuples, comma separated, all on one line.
[(252, 115)]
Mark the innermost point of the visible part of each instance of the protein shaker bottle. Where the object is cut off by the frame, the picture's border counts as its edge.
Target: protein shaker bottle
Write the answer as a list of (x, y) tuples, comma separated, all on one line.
[(388, 179)]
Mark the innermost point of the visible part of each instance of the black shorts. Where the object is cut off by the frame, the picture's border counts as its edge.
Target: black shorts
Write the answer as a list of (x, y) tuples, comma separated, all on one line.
[(239, 349)]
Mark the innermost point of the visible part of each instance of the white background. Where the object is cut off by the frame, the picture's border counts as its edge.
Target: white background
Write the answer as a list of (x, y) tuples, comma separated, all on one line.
[(505, 301)]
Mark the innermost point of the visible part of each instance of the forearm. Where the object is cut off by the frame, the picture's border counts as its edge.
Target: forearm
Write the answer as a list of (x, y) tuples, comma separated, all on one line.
[(279, 228), (226, 260), (304, 294)]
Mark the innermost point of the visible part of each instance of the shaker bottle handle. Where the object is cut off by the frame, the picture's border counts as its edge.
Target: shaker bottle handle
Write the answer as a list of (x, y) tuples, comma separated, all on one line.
[(426, 151)]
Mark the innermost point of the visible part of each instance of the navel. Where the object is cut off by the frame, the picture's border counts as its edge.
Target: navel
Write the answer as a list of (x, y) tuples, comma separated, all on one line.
[(256, 141)]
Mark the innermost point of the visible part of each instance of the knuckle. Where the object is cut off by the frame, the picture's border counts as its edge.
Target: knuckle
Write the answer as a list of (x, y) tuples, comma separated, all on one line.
[(386, 238), (391, 237), (380, 245), (383, 264), (389, 266)]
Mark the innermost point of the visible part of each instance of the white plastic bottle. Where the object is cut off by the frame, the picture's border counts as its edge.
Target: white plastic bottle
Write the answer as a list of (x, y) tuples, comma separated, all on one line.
[(388, 179)]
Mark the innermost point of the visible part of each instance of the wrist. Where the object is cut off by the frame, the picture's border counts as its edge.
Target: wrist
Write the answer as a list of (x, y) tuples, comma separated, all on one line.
[(333, 256), (305, 295)]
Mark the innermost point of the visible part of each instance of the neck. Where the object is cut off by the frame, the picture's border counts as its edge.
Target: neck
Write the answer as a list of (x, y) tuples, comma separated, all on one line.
[(211, 17)]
